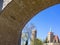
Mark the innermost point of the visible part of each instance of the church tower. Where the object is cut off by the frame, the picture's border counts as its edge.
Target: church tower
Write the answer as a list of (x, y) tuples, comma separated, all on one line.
[(50, 36)]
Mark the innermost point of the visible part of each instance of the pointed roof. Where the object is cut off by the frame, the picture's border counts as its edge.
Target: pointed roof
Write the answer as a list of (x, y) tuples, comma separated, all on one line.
[(50, 32), (50, 29)]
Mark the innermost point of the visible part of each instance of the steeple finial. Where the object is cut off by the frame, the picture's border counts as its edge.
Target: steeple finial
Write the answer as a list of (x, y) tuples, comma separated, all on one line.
[(50, 29)]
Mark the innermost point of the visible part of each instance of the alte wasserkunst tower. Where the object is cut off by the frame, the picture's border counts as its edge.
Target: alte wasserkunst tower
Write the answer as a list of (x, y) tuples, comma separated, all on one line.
[(33, 37), (52, 39)]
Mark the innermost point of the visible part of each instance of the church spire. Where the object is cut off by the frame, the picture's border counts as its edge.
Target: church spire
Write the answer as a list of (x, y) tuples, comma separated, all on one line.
[(50, 29)]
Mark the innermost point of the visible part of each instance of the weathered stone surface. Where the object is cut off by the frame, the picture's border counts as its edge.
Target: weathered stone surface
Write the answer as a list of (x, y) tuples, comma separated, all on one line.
[(14, 17)]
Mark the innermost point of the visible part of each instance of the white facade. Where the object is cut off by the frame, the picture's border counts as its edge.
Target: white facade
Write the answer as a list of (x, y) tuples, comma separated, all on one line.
[(34, 34), (50, 36), (33, 37), (52, 39)]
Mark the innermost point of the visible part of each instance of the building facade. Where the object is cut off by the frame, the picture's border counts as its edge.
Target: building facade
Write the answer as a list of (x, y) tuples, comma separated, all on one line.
[(33, 37), (52, 39)]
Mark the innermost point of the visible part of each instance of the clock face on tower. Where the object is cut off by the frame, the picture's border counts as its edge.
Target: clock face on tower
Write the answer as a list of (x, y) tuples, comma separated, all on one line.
[(3, 4)]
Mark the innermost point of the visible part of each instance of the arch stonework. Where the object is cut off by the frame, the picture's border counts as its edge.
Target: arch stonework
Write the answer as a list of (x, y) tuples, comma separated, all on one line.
[(16, 14)]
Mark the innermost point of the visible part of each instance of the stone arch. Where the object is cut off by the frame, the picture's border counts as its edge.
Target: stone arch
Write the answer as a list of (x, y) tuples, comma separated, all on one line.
[(16, 14)]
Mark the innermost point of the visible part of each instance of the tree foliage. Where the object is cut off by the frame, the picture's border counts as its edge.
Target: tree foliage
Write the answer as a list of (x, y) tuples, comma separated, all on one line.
[(46, 41), (38, 42)]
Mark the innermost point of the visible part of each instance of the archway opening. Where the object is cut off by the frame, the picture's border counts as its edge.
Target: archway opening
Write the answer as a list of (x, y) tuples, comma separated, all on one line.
[(45, 21), (1, 4), (4, 3)]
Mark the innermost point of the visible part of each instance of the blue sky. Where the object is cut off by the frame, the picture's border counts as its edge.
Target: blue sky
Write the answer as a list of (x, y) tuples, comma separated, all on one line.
[(45, 19)]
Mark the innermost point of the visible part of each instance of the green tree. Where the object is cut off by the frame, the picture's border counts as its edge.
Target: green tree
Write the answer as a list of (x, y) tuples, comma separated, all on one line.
[(46, 41), (38, 42)]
